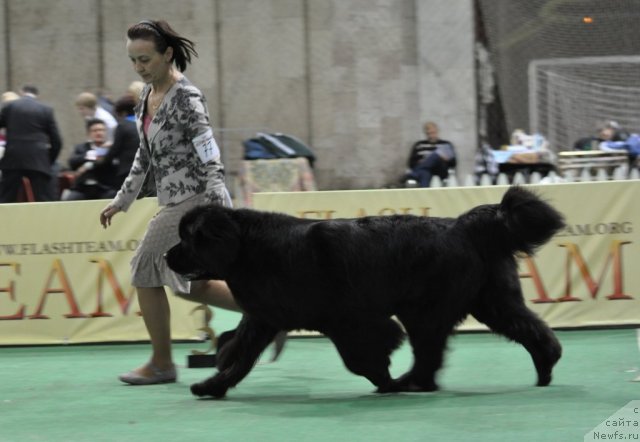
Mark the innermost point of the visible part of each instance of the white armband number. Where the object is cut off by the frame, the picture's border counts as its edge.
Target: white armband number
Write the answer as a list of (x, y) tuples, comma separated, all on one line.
[(206, 147)]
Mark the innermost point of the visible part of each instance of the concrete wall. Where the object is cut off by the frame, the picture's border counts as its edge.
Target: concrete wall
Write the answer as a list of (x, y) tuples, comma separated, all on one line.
[(354, 79), (447, 81)]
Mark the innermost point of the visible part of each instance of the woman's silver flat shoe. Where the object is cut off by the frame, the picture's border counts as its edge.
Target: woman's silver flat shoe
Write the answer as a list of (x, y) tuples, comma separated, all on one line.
[(159, 376)]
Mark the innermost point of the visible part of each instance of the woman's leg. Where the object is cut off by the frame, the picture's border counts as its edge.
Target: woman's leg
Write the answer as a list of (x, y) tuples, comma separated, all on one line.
[(156, 314), (214, 293), (218, 294)]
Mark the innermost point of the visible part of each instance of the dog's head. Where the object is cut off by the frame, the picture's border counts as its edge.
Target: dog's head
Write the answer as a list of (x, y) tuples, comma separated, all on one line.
[(209, 243)]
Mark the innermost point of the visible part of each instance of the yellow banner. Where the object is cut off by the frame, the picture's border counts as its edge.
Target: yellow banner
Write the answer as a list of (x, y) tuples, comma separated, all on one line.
[(65, 279), (584, 277)]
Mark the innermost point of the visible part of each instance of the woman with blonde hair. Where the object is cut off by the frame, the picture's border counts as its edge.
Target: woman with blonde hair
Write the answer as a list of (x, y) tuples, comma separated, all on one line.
[(135, 89), (9, 96)]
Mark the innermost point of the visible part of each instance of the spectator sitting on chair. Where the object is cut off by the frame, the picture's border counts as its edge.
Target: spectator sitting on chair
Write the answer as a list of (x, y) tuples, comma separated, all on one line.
[(631, 144), (430, 157), (607, 131), (92, 180)]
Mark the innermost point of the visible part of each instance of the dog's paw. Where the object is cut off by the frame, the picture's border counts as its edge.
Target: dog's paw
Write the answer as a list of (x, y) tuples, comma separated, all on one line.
[(406, 385), (208, 389), (412, 382), (389, 388), (544, 379), (430, 387), (415, 388), (544, 367)]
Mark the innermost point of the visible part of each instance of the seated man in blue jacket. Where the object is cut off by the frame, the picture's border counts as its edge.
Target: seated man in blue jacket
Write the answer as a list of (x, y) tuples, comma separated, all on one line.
[(431, 156), (631, 144)]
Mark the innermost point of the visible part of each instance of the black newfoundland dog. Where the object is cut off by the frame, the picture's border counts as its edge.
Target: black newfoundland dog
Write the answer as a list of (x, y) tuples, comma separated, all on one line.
[(346, 278)]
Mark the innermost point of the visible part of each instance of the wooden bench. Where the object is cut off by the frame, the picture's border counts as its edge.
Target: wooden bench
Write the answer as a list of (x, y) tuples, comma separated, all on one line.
[(593, 160)]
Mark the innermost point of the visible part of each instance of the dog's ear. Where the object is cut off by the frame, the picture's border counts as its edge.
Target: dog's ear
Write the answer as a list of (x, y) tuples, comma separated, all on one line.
[(190, 223), (215, 238)]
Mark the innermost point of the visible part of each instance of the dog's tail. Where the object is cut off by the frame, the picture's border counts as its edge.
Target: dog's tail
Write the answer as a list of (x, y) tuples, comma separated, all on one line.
[(530, 221)]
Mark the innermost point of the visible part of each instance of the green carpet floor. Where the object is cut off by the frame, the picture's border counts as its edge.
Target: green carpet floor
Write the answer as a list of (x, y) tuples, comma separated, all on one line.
[(72, 394)]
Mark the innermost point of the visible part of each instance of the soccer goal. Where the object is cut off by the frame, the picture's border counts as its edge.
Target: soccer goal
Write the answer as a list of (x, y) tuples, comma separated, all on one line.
[(568, 97)]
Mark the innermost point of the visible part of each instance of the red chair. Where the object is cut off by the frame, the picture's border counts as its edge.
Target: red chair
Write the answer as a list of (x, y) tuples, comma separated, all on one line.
[(65, 181), (25, 194)]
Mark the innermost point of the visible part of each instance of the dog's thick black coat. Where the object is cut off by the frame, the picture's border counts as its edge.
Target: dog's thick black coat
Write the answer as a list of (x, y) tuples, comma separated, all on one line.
[(346, 278)]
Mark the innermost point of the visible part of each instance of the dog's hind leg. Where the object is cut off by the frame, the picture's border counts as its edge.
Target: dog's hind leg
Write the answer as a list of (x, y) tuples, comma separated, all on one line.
[(365, 347), (428, 339), (509, 316), (237, 357)]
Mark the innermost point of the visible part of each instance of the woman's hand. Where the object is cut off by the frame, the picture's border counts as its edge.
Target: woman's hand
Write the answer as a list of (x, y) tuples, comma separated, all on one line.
[(106, 215)]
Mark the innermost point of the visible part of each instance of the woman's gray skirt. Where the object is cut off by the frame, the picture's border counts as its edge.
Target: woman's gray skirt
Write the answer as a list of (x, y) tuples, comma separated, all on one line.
[(148, 266)]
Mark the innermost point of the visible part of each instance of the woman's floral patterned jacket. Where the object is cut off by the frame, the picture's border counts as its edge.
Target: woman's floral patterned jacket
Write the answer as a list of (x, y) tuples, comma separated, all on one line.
[(167, 159)]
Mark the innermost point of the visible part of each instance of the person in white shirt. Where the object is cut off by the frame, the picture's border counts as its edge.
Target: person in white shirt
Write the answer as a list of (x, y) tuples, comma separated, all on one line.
[(87, 105)]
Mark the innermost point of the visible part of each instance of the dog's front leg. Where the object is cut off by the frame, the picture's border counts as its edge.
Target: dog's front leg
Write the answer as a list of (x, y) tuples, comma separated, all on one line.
[(237, 357), (511, 318), (500, 305)]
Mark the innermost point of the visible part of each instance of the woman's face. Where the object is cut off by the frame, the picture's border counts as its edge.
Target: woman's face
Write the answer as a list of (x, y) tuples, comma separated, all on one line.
[(151, 65)]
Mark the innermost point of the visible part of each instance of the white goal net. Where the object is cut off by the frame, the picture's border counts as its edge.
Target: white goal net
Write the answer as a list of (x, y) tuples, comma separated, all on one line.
[(569, 97), (562, 67)]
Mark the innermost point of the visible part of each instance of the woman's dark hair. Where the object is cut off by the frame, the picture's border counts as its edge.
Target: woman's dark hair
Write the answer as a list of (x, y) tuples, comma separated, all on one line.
[(164, 37)]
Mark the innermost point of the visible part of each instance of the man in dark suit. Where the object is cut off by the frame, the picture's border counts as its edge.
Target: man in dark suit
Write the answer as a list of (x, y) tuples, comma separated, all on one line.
[(33, 144), (125, 141)]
